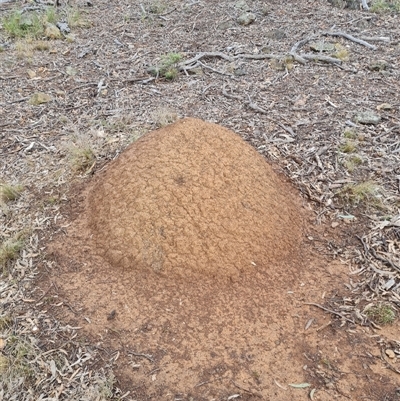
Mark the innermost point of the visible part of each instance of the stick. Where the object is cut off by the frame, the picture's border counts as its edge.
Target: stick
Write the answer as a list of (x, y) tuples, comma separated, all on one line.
[(352, 38), (149, 357), (330, 311), (245, 390)]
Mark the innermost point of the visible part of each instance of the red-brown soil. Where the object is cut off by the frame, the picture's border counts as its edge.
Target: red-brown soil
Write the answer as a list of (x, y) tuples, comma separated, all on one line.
[(191, 259), (194, 196)]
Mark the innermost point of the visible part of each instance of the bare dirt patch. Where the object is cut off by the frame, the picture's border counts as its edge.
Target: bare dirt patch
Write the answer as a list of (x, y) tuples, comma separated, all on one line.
[(189, 258)]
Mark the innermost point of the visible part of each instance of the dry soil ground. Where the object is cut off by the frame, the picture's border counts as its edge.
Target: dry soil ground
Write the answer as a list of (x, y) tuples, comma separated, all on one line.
[(78, 323)]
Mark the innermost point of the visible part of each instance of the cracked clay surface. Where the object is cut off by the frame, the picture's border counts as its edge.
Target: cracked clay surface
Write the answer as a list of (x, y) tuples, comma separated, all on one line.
[(193, 196)]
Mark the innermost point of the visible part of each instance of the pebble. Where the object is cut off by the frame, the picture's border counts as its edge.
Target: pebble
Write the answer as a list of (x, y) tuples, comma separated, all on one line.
[(390, 353), (246, 18), (52, 32), (379, 65), (335, 224), (322, 47), (39, 98), (367, 117)]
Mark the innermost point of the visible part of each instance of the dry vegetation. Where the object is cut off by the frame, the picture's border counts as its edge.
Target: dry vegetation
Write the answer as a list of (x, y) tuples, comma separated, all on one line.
[(128, 67)]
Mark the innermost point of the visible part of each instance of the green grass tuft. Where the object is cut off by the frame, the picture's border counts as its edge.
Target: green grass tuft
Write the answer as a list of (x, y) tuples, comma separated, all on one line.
[(51, 15), (75, 18), (385, 6), (169, 64), (381, 314), (21, 25)]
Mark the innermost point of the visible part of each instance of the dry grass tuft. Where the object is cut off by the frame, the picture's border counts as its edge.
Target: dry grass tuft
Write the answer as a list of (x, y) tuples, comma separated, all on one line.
[(10, 192), (10, 249), (82, 155), (366, 192), (163, 116), (348, 147)]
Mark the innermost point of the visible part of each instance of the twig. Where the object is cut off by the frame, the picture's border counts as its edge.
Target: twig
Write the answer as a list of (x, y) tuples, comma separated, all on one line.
[(352, 38), (209, 381), (245, 390), (183, 65), (301, 43), (212, 69), (147, 356), (330, 311), (19, 100), (386, 261)]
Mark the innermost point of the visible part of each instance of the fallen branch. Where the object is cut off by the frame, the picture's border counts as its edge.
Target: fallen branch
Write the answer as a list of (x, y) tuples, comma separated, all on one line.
[(352, 38), (193, 62), (375, 38), (321, 57)]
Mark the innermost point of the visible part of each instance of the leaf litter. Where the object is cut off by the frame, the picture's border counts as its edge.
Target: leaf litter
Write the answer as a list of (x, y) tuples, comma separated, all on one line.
[(302, 138)]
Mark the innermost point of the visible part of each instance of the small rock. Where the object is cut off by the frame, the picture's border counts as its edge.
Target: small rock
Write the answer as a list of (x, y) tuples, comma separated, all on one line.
[(389, 284), (63, 27), (379, 65), (39, 98), (384, 106), (223, 26), (334, 224), (390, 353), (70, 38), (242, 5), (367, 117), (246, 19), (31, 74), (322, 47), (239, 71), (276, 34), (2, 343), (70, 71), (52, 32)]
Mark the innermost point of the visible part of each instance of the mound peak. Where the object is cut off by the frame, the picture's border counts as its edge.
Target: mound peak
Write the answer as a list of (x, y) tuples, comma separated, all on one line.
[(193, 197)]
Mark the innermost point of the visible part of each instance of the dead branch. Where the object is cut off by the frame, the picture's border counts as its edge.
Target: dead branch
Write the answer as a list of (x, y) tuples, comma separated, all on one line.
[(187, 64), (321, 57), (352, 38)]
